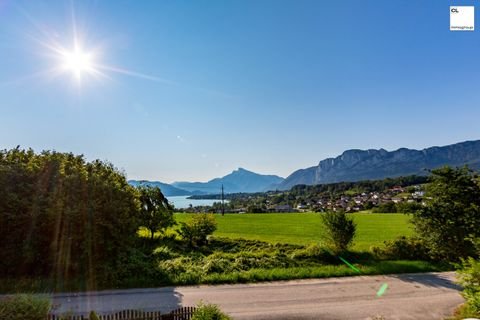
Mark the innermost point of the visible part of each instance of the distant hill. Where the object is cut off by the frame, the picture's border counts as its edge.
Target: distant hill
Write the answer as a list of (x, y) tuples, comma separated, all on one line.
[(356, 165), (167, 190), (240, 180)]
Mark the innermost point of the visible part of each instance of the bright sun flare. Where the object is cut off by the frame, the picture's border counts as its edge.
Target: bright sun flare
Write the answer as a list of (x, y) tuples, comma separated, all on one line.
[(77, 62)]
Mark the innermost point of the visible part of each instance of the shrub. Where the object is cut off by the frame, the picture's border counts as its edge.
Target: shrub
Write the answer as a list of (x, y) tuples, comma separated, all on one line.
[(388, 207), (408, 207), (463, 312), (402, 248), (93, 316), (217, 263), (177, 266), (314, 252), (469, 279), (255, 209), (209, 312), (198, 228), (340, 230), (134, 268), (164, 253), (24, 307)]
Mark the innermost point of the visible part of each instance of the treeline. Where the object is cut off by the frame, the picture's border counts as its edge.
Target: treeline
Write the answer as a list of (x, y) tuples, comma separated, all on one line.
[(332, 189), (401, 207), (305, 193), (64, 218), (366, 186)]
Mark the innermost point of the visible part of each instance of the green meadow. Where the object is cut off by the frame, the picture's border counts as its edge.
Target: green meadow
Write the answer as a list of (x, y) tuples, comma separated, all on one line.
[(275, 246), (306, 228)]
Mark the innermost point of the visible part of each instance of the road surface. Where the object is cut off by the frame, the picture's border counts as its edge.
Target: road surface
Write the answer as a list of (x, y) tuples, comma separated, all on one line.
[(408, 296)]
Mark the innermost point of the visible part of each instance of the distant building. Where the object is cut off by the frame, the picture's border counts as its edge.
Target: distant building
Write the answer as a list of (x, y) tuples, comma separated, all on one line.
[(397, 200), (397, 189), (419, 193), (283, 208)]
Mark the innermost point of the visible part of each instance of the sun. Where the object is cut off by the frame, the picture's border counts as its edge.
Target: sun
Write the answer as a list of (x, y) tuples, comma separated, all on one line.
[(78, 62), (84, 62), (79, 56)]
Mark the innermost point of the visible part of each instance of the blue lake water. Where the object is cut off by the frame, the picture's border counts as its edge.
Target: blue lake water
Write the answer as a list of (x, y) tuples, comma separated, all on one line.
[(182, 202)]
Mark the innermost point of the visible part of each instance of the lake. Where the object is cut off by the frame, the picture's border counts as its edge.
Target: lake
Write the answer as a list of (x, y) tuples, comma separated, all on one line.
[(181, 202)]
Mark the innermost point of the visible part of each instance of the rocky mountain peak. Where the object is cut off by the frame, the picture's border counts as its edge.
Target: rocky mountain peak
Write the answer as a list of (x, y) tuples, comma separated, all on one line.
[(355, 164)]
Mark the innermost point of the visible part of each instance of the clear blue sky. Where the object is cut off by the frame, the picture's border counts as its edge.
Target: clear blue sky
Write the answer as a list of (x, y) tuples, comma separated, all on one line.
[(271, 86)]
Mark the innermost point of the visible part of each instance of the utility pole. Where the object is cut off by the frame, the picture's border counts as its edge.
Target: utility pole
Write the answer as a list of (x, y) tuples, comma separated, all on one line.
[(223, 204)]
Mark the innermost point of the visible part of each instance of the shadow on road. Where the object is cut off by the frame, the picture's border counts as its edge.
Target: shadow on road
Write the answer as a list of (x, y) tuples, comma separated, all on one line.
[(103, 302), (429, 280)]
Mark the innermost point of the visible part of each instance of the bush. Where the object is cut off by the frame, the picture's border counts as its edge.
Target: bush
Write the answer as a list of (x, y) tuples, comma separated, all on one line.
[(164, 253), (209, 312), (314, 252), (463, 312), (134, 269), (469, 279), (176, 267), (256, 209), (198, 228), (217, 263), (388, 207), (24, 307), (340, 230), (408, 207), (402, 248), (93, 316)]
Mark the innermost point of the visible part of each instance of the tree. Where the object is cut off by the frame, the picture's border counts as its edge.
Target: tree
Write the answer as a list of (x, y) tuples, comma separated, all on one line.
[(62, 217), (450, 219), (156, 213), (198, 228), (340, 230)]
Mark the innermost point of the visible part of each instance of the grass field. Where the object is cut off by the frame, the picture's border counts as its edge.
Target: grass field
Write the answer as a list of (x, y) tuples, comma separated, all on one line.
[(233, 261), (306, 228)]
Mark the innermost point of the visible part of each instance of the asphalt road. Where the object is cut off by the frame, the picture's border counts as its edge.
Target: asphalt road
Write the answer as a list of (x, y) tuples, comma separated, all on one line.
[(408, 296)]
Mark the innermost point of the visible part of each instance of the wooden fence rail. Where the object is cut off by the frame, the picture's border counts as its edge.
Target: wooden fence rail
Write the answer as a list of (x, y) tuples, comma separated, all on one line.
[(184, 313)]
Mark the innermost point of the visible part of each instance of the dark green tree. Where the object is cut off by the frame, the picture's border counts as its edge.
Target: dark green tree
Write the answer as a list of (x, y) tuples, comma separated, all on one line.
[(450, 220), (340, 230), (156, 213), (62, 217)]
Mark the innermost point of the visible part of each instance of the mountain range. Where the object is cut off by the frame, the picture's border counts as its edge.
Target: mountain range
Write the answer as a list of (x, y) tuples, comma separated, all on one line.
[(240, 180), (355, 165), (351, 165), (167, 189)]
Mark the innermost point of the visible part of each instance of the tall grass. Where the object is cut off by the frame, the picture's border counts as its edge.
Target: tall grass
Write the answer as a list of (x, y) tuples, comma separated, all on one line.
[(322, 271), (24, 307)]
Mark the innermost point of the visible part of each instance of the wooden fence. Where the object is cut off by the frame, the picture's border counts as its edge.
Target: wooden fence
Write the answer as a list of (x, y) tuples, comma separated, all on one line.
[(184, 313)]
